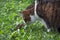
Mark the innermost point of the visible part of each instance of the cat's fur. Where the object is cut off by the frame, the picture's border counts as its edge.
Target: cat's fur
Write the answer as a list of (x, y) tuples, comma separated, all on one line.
[(48, 11)]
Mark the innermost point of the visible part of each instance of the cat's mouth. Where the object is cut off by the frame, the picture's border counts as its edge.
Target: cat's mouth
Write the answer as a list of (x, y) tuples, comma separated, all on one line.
[(28, 22)]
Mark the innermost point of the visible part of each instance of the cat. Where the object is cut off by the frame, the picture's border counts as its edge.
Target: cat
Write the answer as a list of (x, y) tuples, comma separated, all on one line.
[(47, 12)]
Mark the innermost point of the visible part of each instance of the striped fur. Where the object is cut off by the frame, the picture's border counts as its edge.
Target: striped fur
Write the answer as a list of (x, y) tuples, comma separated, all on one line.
[(49, 11)]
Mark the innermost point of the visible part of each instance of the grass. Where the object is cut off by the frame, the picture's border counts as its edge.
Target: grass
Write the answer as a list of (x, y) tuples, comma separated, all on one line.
[(10, 17)]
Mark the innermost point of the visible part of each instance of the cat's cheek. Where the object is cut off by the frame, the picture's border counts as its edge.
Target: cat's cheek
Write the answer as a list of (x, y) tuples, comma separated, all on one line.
[(33, 19)]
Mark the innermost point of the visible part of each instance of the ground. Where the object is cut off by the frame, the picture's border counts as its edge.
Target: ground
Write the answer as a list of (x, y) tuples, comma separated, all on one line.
[(10, 16)]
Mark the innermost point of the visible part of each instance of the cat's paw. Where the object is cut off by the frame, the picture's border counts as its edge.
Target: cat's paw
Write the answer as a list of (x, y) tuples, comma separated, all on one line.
[(48, 30)]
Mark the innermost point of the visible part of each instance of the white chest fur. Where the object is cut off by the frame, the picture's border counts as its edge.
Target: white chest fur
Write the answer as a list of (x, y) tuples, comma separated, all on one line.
[(35, 16)]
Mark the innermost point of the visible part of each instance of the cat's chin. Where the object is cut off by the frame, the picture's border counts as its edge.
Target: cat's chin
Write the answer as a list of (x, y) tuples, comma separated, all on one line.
[(31, 22)]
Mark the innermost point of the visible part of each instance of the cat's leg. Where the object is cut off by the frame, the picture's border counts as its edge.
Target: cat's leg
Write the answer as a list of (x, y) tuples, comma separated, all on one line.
[(46, 26), (58, 29)]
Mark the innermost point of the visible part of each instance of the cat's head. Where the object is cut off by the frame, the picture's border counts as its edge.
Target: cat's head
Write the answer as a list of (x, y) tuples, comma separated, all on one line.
[(28, 15)]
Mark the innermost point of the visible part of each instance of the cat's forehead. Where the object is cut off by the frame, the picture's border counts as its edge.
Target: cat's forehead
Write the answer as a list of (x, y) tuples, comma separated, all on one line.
[(28, 12)]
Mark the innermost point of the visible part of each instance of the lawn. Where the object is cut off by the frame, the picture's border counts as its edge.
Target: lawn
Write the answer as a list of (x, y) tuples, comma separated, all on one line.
[(10, 16)]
